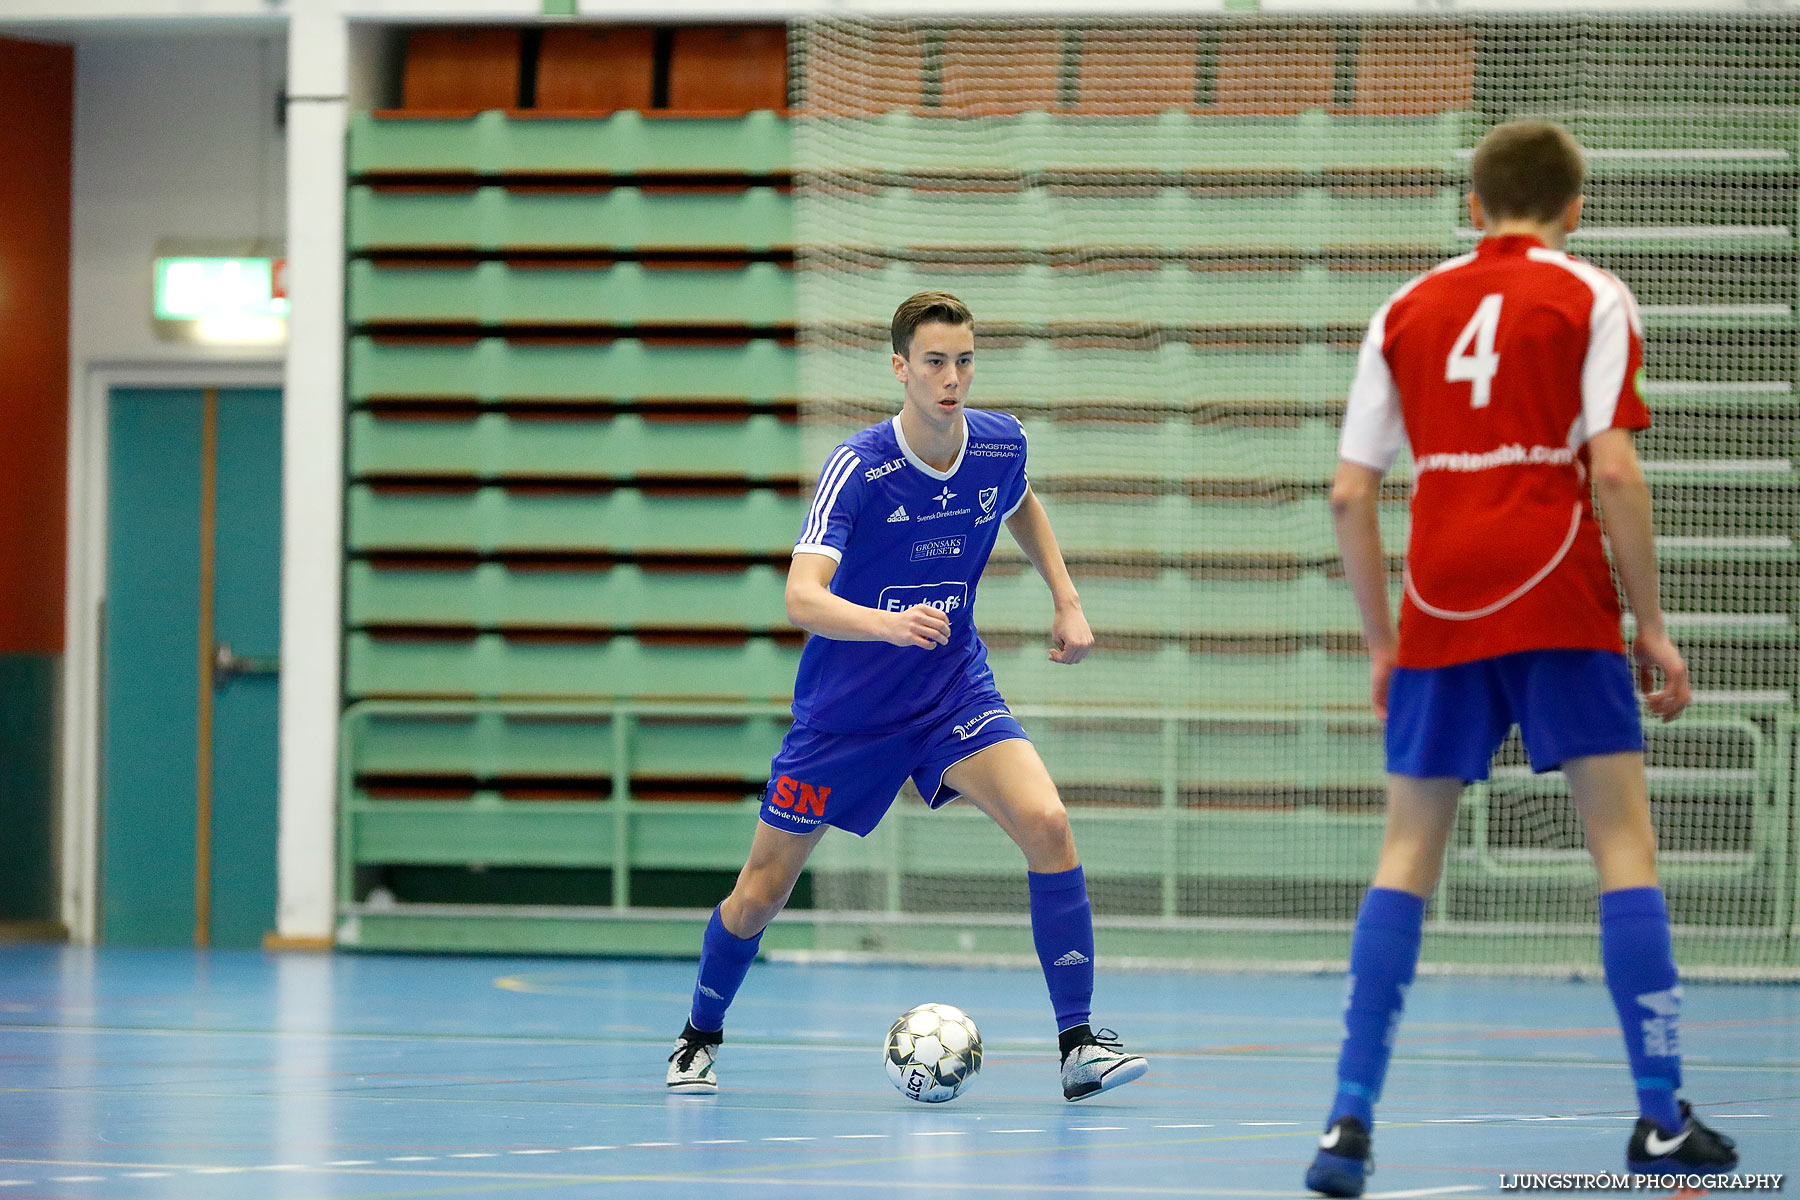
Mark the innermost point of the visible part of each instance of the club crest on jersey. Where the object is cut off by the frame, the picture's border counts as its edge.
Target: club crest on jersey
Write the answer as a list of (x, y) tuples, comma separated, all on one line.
[(987, 497), (898, 515), (886, 468)]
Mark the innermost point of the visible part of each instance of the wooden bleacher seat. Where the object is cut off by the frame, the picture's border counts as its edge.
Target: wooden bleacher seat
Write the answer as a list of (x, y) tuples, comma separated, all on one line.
[(1415, 73), (596, 69), (1275, 71), (1130, 72), (997, 72), (727, 70), (899, 86), (461, 70)]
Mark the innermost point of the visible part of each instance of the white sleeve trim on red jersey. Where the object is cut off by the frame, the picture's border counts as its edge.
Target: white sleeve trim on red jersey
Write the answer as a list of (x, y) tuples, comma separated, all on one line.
[(1373, 428), (1611, 324)]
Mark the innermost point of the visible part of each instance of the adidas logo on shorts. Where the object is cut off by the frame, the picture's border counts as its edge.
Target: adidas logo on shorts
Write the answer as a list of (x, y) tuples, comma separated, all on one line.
[(709, 993), (1073, 958)]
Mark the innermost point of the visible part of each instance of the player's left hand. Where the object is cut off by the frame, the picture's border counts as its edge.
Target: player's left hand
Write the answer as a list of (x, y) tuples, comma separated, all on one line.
[(1070, 637), (1657, 653)]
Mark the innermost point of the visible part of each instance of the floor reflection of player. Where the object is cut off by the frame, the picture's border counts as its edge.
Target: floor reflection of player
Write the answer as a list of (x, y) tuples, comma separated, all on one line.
[(895, 682)]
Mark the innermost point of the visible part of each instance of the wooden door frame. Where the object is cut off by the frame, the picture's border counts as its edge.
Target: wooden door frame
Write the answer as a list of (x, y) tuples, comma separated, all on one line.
[(78, 800)]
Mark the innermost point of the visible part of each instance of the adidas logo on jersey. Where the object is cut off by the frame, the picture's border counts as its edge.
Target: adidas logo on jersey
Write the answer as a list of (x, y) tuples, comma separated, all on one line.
[(898, 515), (1073, 958)]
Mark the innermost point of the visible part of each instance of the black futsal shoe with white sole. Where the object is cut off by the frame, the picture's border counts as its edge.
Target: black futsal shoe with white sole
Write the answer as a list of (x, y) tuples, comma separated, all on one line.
[(1094, 1062), (1345, 1159), (1695, 1149), (691, 1062)]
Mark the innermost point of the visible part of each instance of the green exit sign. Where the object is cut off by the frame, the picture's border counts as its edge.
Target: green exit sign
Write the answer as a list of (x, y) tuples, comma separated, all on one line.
[(198, 289)]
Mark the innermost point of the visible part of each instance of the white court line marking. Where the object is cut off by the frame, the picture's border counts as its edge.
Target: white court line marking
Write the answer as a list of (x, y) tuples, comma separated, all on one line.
[(1095, 1128), (1452, 1120), (939, 1132), (1268, 1122), (852, 1136), (1015, 1131), (415, 1158), (593, 1147), (1181, 1127), (77, 1178), (1432, 1191), (559, 1151), (634, 1144), (352, 1162), (475, 1154), (1549, 1118), (218, 1171), (789, 1139), (1729, 1116), (730, 1141), (146, 1175)]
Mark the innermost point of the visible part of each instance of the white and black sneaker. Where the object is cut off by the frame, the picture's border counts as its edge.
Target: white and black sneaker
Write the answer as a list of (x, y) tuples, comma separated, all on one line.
[(691, 1062), (1094, 1061)]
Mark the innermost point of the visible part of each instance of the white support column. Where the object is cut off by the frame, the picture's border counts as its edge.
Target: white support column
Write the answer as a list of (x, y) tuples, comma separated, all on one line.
[(313, 471)]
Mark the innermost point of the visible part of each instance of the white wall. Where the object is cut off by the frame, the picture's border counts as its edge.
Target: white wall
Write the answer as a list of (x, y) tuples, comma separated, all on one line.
[(174, 138)]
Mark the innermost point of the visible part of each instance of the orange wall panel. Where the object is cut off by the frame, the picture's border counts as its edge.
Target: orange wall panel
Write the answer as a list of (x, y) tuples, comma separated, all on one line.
[(37, 101)]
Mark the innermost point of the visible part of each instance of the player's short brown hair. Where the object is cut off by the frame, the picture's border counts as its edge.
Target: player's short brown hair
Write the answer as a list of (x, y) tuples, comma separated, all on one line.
[(915, 311), (1531, 169)]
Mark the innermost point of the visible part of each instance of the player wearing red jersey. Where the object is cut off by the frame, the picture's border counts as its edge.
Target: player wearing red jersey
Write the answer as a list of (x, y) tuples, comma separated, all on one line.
[(1512, 373)]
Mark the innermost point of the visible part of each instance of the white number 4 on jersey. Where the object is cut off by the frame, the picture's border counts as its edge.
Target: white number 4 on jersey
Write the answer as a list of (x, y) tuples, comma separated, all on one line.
[(1477, 368)]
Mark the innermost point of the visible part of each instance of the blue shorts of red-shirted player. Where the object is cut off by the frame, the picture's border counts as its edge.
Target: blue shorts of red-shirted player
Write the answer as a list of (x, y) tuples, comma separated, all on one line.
[(849, 779), (1448, 721)]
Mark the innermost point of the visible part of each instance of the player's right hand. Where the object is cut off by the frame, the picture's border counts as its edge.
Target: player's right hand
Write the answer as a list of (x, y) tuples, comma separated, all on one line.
[(921, 625), (1650, 654)]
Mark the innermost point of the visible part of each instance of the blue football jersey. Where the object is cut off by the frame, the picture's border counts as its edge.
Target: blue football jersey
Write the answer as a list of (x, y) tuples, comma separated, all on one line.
[(905, 534)]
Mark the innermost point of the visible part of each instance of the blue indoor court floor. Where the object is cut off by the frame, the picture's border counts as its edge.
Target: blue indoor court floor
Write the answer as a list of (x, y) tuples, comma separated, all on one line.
[(201, 1076)]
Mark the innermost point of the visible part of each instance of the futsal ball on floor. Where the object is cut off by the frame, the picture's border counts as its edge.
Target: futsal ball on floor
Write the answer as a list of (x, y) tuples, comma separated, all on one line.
[(933, 1051)]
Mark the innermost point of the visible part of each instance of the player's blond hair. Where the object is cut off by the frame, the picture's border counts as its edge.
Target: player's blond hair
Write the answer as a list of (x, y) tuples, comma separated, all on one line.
[(917, 310), (1531, 169)]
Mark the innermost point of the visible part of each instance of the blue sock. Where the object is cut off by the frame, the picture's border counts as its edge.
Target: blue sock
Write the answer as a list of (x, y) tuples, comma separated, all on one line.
[(1062, 925), (1646, 990), (1384, 953), (724, 960)]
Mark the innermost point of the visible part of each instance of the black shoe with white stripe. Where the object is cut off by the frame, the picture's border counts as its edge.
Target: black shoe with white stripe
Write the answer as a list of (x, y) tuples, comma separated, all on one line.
[(1694, 1149), (1345, 1159)]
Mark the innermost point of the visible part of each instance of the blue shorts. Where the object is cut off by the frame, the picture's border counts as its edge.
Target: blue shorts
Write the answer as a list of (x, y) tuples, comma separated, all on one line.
[(849, 779), (1448, 721)]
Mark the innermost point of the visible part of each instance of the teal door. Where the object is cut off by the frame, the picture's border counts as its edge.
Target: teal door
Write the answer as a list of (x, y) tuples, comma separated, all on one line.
[(192, 627)]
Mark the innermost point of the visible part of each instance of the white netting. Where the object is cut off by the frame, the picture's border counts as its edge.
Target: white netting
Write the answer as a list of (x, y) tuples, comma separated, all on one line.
[(1172, 235)]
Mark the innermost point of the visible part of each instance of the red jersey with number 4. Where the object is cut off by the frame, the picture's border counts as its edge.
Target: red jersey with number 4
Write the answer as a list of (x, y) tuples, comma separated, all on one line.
[(1496, 368)]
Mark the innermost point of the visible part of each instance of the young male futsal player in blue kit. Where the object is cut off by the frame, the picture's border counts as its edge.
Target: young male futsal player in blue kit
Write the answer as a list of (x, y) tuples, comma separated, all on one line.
[(895, 682), (1513, 374)]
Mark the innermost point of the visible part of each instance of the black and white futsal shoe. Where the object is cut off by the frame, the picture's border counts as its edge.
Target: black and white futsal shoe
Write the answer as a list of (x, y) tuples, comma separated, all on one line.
[(1694, 1149), (1094, 1062), (1345, 1159), (691, 1062)]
